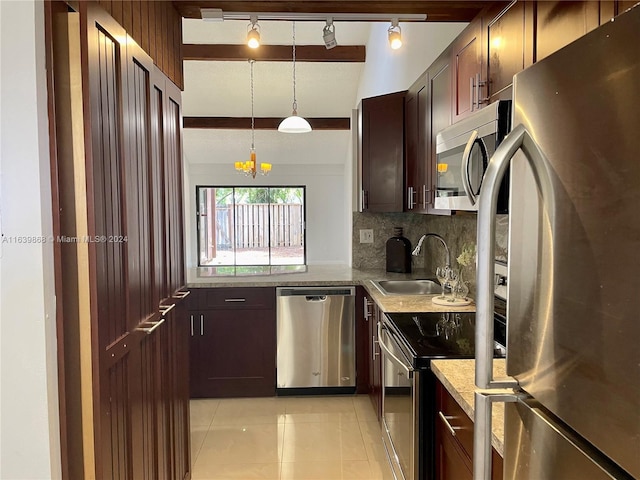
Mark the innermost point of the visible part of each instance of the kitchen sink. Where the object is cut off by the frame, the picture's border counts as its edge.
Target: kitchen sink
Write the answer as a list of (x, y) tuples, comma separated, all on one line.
[(407, 287)]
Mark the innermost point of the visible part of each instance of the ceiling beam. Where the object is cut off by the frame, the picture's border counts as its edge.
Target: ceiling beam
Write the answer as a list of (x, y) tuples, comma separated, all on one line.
[(274, 53), (263, 123), (436, 10)]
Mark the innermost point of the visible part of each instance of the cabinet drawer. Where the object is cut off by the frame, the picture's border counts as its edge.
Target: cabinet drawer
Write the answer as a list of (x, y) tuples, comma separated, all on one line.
[(448, 411), (239, 298)]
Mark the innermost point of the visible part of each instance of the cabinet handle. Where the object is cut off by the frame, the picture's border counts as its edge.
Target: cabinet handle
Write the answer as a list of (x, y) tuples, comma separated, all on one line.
[(365, 200), (472, 89), (201, 325), (367, 312), (424, 196), (153, 326), (479, 83), (411, 192), (445, 419), (373, 347), (164, 309), (191, 320), (181, 295), (235, 299)]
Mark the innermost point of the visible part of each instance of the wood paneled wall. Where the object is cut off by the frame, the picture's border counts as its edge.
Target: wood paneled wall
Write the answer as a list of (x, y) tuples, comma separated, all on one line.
[(156, 26)]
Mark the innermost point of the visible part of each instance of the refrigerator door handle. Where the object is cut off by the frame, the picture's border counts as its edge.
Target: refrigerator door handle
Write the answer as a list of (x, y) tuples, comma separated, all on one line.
[(482, 429), (519, 138)]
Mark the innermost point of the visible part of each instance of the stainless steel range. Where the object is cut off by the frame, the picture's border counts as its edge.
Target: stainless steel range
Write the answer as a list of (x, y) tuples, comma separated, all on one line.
[(409, 341)]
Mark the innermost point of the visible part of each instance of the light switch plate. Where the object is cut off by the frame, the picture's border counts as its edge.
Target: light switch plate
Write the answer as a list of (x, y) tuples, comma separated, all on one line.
[(366, 236)]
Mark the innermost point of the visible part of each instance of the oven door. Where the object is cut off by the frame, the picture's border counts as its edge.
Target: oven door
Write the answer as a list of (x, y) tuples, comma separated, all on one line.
[(399, 406)]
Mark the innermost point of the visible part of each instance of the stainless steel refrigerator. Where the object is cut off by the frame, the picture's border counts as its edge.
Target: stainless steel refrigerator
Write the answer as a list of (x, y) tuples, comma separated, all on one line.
[(573, 313)]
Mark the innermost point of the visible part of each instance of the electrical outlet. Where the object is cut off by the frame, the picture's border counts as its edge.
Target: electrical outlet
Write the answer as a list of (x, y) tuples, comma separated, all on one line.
[(366, 236)]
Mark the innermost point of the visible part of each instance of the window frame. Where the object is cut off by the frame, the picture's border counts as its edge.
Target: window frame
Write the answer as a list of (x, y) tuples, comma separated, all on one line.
[(225, 270)]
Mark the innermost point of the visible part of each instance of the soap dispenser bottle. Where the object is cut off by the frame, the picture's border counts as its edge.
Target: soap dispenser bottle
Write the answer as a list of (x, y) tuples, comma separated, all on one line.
[(398, 253)]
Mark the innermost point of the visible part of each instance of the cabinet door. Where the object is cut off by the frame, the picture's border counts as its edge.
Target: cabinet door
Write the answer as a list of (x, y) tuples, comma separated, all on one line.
[(416, 141), (375, 368), (468, 72), (363, 342), (561, 22), (439, 101), (383, 153), (506, 49), (450, 464), (236, 354)]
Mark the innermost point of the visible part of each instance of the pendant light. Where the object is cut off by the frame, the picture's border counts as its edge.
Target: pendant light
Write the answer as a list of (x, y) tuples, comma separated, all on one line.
[(294, 123), (249, 167)]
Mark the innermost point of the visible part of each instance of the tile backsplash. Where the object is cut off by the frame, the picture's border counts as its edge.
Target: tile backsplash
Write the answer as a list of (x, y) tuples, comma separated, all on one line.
[(457, 230)]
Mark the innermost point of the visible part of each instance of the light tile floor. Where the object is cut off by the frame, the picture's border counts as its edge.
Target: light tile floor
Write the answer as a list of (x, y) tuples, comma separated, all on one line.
[(287, 438)]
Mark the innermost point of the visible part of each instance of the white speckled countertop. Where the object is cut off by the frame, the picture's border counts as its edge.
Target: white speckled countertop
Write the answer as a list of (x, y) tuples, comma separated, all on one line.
[(458, 377)]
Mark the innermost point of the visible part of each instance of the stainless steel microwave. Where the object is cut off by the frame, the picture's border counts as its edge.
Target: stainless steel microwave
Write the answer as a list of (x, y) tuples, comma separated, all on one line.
[(463, 151)]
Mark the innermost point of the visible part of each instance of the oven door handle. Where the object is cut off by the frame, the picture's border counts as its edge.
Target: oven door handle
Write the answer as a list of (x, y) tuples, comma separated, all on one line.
[(409, 369)]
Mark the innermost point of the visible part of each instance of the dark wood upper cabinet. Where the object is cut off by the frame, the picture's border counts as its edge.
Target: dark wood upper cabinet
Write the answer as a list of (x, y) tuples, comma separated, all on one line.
[(440, 114), (417, 130), (561, 22), (382, 150), (469, 72), (506, 47)]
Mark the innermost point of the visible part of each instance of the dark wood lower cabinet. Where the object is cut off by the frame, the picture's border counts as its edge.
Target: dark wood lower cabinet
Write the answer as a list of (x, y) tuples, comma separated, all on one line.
[(233, 345), (375, 359), (454, 441)]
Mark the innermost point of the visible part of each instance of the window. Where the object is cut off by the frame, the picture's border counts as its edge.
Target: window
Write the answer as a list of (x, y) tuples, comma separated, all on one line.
[(251, 230)]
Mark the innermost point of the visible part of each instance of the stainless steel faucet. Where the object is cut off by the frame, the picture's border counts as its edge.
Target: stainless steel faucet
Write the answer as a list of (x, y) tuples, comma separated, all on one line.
[(416, 251)]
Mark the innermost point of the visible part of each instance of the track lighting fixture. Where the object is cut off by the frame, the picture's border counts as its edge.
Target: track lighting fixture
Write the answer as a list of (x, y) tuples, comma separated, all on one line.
[(395, 34), (253, 33), (329, 34)]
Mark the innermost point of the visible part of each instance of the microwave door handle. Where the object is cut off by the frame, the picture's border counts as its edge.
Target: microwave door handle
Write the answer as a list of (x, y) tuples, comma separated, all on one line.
[(464, 167), (518, 139)]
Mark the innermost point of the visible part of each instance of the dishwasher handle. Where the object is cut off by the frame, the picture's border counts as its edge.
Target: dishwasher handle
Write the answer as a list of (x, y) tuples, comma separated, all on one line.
[(315, 292), (316, 298)]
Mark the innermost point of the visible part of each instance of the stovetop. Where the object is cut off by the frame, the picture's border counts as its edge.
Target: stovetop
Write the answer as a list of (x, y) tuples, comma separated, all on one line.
[(430, 336)]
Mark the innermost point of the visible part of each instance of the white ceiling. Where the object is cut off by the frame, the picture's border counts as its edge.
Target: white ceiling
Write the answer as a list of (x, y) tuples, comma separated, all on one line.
[(222, 89)]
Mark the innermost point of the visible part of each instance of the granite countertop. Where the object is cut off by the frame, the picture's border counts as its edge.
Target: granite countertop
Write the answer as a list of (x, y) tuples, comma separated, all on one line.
[(329, 275), (458, 377)]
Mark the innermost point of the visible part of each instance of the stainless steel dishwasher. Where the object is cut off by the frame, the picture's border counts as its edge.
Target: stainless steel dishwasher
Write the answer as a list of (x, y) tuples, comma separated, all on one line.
[(316, 340)]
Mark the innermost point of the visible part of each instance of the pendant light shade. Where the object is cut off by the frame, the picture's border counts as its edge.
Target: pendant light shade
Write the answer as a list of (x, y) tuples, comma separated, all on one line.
[(294, 123)]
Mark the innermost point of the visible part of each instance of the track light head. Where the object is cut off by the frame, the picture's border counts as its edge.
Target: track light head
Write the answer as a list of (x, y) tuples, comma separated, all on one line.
[(253, 33), (329, 34), (395, 34)]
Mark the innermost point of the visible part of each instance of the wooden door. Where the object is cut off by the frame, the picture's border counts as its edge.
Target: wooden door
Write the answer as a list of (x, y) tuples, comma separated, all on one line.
[(375, 365), (439, 106), (133, 156), (416, 133), (468, 69), (106, 168), (363, 342), (506, 54), (559, 23), (383, 153)]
